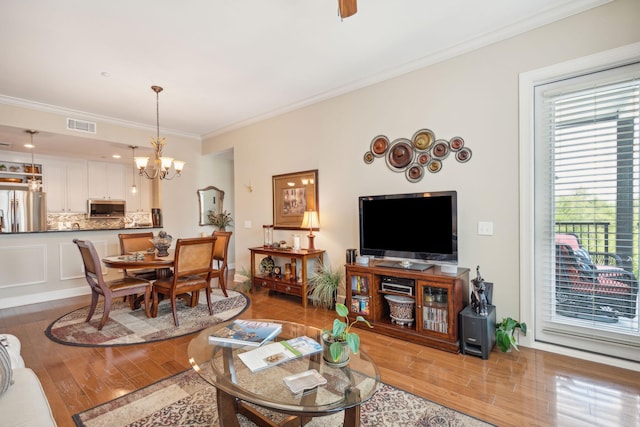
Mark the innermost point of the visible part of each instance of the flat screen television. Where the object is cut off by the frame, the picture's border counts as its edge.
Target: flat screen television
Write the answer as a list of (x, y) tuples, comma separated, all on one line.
[(416, 226)]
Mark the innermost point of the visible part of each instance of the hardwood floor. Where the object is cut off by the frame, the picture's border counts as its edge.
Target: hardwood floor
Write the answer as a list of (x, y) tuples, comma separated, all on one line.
[(526, 388)]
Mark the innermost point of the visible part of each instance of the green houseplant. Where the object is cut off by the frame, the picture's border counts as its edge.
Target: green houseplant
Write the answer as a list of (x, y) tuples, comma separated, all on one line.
[(221, 220), (246, 283), (505, 333), (323, 286), (339, 340)]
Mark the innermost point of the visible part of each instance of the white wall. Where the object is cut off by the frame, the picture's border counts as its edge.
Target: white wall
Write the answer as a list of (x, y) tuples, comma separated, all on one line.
[(474, 96)]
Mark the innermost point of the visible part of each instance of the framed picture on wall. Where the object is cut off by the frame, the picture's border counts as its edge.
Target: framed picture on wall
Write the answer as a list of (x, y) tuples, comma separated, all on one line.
[(293, 194)]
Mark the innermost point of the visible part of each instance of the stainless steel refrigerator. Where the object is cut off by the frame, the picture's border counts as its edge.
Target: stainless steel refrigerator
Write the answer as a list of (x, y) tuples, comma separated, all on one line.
[(22, 211)]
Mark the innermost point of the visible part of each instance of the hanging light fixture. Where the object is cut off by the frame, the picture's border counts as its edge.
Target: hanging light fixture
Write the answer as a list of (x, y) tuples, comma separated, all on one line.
[(161, 167), (32, 183), (134, 189)]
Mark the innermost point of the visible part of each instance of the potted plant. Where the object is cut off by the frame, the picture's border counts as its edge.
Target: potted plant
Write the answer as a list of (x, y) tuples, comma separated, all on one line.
[(221, 220), (505, 333), (323, 286), (246, 283), (339, 340)]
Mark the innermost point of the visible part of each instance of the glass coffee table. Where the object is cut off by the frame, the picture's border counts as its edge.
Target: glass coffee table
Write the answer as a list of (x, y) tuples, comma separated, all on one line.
[(240, 391)]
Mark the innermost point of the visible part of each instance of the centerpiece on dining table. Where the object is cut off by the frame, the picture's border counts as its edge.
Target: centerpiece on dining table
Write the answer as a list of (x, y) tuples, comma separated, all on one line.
[(162, 243)]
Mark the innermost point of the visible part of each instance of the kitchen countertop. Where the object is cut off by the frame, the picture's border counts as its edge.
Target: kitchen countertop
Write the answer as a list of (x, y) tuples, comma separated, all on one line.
[(55, 230)]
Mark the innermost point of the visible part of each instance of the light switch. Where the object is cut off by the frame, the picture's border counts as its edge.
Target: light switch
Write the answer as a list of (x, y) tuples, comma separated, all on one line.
[(485, 228), (247, 224)]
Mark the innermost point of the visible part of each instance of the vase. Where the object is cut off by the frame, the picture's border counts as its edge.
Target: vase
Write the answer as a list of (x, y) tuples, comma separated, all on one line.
[(326, 353), (162, 243)]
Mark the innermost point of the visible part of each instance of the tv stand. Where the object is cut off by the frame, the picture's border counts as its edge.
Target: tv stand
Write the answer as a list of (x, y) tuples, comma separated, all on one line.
[(405, 265), (438, 298)]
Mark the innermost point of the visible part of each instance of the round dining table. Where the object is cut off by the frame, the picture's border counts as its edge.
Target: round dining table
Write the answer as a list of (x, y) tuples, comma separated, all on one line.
[(162, 265)]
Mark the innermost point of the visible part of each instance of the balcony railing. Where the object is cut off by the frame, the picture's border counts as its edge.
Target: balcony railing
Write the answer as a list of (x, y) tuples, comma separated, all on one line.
[(594, 236)]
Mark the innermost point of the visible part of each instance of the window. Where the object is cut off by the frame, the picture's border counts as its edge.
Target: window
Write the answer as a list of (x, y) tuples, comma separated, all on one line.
[(586, 206)]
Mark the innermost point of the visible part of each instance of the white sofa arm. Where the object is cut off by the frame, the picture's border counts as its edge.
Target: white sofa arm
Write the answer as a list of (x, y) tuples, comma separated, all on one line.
[(24, 404)]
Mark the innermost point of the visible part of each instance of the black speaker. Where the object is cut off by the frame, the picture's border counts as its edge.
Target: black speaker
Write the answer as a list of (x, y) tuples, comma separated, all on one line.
[(478, 333)]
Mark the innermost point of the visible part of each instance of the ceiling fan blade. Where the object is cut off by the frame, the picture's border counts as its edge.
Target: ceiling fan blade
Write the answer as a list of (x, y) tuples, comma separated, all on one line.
[(347, 8)]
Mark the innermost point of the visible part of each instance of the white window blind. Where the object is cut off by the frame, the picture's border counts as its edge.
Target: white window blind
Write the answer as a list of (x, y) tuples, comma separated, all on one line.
[(587, 196)]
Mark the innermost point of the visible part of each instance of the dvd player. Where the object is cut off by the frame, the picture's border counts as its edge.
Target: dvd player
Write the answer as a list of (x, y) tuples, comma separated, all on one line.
[(400, 285)]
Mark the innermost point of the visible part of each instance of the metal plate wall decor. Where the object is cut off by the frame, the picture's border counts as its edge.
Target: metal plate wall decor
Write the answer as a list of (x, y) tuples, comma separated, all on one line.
[(413, 156), (414, 173), (379, 145), (400, 155), (423, 139)]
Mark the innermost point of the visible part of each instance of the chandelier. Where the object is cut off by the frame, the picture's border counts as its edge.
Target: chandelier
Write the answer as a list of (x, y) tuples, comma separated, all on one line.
[(161, 166)]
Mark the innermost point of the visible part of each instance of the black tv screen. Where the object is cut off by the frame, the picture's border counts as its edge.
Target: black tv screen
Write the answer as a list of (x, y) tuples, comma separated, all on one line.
[(417, 226)]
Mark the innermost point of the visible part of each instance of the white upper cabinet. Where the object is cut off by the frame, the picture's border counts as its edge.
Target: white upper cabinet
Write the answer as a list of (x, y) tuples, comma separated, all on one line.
[(106, 181), (66, 185)]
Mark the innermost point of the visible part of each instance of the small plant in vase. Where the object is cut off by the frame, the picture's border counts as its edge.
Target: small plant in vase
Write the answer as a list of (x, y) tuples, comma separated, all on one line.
[(505, 333), (221, 220), (339, 340)]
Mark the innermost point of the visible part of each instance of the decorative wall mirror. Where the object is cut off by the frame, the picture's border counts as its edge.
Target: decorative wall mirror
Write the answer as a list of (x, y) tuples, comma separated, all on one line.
[(210, 200)]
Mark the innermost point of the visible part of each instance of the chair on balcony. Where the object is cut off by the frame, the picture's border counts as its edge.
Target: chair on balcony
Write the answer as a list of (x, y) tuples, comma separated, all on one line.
[(587, 290), (125, 286), (191, 273)]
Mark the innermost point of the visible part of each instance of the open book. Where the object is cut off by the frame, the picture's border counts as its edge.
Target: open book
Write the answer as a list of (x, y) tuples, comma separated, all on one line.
[(279, 352)]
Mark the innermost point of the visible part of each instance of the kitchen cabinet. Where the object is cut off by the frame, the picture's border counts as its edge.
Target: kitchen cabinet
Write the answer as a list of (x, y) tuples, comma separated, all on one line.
[(141, 201), (435, 299), (66, 186), (106, 181), (18, 174)]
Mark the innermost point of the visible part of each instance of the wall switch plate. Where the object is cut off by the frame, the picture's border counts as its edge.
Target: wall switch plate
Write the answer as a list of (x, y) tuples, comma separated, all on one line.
[(485, 228), (247, 224)]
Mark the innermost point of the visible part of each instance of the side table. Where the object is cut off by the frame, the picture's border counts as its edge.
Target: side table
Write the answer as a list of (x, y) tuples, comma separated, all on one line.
[(478, 333), (294, 286)]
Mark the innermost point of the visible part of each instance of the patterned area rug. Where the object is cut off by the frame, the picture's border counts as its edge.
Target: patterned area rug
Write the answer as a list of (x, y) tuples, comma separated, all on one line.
[(126, 326), (187, 400)]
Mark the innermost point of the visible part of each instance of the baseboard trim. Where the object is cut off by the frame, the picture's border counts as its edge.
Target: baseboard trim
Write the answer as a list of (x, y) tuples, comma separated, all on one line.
[(43, 297)]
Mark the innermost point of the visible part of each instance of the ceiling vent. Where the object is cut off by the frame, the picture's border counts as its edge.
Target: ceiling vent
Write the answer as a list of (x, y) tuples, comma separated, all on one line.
[(81, 126)]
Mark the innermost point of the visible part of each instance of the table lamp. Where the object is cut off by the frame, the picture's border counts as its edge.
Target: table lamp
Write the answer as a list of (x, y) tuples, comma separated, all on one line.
[(310, 221)]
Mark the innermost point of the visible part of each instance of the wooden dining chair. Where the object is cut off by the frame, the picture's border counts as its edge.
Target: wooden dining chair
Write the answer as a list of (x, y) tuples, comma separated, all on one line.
[(220, 256), (111, 289), (192, 270), (136, 242)]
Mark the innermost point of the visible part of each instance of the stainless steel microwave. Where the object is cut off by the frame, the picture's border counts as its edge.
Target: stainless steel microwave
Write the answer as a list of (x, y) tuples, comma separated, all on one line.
[(106, 208)]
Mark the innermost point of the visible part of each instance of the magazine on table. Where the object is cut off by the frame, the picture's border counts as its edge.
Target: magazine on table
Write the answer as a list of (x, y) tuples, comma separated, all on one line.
[(246, 332), (279, 352)]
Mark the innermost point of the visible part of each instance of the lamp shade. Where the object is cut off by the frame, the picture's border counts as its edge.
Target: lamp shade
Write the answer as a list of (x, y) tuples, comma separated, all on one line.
[(310, 220)]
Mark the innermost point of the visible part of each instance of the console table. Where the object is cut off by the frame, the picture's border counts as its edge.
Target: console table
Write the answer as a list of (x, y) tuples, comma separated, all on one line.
[(295, 286)]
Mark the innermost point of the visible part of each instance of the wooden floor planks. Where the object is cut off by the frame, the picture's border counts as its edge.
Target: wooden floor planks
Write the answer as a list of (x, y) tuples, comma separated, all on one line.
[(526, 388)]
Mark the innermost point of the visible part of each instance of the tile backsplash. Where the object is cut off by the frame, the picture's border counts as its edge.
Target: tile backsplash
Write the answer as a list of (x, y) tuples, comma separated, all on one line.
[(69, 221)]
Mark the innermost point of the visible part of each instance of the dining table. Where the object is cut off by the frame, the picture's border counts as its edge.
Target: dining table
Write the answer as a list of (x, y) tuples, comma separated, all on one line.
[(162, 265)]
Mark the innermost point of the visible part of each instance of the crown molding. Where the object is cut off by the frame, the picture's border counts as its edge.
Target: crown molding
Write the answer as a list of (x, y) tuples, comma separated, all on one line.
[(83, 115)]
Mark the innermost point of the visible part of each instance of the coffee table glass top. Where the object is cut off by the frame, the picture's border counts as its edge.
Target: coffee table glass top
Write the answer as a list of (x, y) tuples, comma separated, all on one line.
[(346, 387)]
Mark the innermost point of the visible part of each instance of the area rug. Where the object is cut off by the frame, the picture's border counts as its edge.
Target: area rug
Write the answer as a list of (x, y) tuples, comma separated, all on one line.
[(187, 400), (126, 326)]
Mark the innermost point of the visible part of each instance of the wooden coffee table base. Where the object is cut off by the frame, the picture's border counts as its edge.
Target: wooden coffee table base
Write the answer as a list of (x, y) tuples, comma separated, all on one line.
[(229, 407)]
